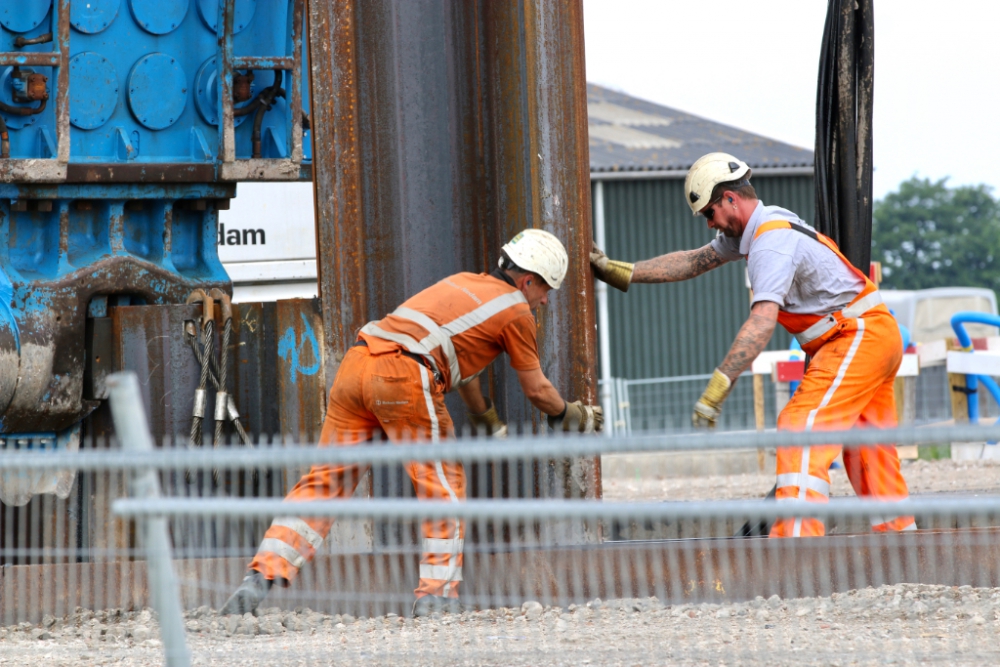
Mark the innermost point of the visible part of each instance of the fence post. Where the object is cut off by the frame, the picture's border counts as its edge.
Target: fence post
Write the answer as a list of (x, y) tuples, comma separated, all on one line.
[(133, 434)]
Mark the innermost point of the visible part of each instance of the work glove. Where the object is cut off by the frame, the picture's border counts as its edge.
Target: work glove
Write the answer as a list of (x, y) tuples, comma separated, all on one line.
[(709, 406), (488, 423), (616, 274), (578, 418)]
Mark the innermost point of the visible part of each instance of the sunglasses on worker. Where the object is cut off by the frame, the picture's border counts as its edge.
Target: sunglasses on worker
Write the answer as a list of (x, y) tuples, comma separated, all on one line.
[(709, 210)]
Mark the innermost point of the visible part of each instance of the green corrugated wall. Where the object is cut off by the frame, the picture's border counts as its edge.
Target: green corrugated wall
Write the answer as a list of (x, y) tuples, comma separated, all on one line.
[(680, 328)]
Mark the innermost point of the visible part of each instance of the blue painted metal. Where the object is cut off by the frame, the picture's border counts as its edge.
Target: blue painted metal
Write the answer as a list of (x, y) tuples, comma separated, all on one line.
[(93, 90), (93, 16), (130, 214), (23, 15), (972, 381), (245, 10), (158, 17), (128, 48), (157, 90), (206, 92)]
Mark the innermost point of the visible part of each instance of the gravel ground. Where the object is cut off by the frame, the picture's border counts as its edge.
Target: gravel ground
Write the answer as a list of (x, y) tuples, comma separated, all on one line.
[(942, 476), (903, 624)]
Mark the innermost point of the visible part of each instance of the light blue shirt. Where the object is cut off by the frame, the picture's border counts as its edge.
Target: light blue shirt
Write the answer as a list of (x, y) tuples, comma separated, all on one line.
[(787, 267)]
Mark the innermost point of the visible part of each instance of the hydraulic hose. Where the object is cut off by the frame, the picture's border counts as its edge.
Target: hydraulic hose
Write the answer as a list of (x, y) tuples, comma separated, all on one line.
[(266, 97)]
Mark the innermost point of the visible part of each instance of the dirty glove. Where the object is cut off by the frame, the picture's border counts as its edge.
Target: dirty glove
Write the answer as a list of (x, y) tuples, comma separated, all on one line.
[(709, 406), (252, 591), (616, 274), (488, 423), (578, 418)]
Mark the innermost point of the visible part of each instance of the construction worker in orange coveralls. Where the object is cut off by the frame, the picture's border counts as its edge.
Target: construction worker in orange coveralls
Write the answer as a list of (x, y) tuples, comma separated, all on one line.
[(393, 380), (801, 280)]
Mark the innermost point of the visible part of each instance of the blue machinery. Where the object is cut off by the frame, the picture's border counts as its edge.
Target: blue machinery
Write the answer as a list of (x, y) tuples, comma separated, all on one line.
[(126, 125), (972, 381)]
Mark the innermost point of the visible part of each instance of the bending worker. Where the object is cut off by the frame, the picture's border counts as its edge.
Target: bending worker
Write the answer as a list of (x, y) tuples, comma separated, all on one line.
[(393, 380), (800, 279)]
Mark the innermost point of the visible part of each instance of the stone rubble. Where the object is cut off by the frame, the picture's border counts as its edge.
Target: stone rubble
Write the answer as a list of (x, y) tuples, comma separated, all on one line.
[(905, 624)]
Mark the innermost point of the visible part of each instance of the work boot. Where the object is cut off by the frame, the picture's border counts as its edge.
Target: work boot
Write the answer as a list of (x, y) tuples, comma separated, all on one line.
[(252, 591), (435, 604)]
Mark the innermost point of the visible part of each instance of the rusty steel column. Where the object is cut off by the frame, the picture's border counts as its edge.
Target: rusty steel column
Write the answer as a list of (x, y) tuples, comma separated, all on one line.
[(541, 170), (442, 128)]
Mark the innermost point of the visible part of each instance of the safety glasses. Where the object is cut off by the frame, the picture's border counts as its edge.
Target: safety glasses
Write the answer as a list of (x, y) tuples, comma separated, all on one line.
[(709, 211)]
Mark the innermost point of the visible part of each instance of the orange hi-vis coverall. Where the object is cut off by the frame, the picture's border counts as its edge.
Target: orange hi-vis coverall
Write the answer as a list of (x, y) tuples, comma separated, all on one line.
[(394, 381), (855, 354)]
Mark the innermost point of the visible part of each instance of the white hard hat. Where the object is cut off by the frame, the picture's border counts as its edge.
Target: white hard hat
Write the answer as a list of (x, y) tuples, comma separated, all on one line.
[(707, 172), (539, 252)]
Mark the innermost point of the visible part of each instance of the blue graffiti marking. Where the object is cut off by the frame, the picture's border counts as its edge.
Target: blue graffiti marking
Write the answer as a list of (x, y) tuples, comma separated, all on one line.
[(288, 349)]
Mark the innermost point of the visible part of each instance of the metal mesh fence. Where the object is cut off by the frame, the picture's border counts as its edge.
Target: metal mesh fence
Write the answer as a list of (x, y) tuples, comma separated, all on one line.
[(664, 404), (133, 566)]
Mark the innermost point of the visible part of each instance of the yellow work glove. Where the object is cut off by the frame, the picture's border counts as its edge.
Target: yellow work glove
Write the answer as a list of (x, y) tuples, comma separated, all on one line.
[(488, 423), (579, 418), (616, 274), (709, 406)]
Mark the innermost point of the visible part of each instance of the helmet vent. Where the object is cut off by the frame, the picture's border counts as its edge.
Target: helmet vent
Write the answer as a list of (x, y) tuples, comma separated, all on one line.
[(693, 197), (733, 166)]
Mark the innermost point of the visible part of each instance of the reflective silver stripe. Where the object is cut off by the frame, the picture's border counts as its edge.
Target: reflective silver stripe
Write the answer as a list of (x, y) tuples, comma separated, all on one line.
[(810, 482), (302, 528), (863, 305), (436, 337), (881, 521), (445, 573), (484, 312), (434, 545), (440, 335), (859, 308), (815, 331), (406, 341), (841, 372), (283, 550)]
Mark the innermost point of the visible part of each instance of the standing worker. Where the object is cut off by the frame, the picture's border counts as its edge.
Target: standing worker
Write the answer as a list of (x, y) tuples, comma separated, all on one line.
[(393, 380), (800, 279)]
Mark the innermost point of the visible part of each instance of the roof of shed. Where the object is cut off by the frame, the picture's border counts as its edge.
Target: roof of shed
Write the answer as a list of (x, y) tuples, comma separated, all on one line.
[(630, 134)]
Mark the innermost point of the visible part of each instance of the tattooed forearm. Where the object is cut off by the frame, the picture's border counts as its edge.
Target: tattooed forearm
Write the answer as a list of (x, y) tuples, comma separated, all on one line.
[(677, 266), (751, 340)]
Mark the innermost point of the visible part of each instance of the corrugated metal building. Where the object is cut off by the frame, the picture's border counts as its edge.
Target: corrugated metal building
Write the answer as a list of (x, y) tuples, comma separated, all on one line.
[(639, 155)]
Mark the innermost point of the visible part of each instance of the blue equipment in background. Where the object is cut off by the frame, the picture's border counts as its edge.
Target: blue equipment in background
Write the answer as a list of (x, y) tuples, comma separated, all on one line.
[(972, 381), (126, 125)]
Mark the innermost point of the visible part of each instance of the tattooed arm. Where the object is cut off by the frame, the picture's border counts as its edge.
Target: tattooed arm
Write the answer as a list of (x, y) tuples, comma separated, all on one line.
[(751, 340), (675, 266)]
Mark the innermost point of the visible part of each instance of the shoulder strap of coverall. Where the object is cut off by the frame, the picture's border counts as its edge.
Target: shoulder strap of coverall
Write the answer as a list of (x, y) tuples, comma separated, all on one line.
[(814, 235)]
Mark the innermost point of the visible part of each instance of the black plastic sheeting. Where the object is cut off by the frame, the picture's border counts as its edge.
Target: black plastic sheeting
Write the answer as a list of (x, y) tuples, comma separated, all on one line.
[(844, 128)]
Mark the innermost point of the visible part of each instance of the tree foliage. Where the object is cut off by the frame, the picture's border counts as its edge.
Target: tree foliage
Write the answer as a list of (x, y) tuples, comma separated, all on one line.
[(929, 235)]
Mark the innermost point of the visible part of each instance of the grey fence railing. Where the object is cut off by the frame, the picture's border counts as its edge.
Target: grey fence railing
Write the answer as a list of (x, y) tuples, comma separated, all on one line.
[(665, 403), (542, 581)]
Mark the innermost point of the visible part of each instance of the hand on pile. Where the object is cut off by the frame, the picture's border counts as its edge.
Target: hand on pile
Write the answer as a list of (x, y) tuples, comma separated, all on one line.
[(616, 274), (579, 418), (488, 423), (709, 406)]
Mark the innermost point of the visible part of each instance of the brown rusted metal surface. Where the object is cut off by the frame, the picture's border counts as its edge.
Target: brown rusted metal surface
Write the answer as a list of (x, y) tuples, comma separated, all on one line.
[(274, 364), (682, 571), (433, 146)]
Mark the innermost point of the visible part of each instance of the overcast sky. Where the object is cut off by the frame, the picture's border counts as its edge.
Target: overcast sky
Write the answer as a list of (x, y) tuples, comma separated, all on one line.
[(753, 64)]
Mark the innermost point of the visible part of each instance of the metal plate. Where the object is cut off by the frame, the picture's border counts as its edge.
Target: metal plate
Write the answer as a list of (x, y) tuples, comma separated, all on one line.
[(157, 90), (206, 94), (23, 15), (159, 17), (93, 16), (209, 12), (93, 90)]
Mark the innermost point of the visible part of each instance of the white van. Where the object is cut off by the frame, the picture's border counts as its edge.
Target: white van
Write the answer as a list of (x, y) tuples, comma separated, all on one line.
[(927, 312), (267, 242)]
